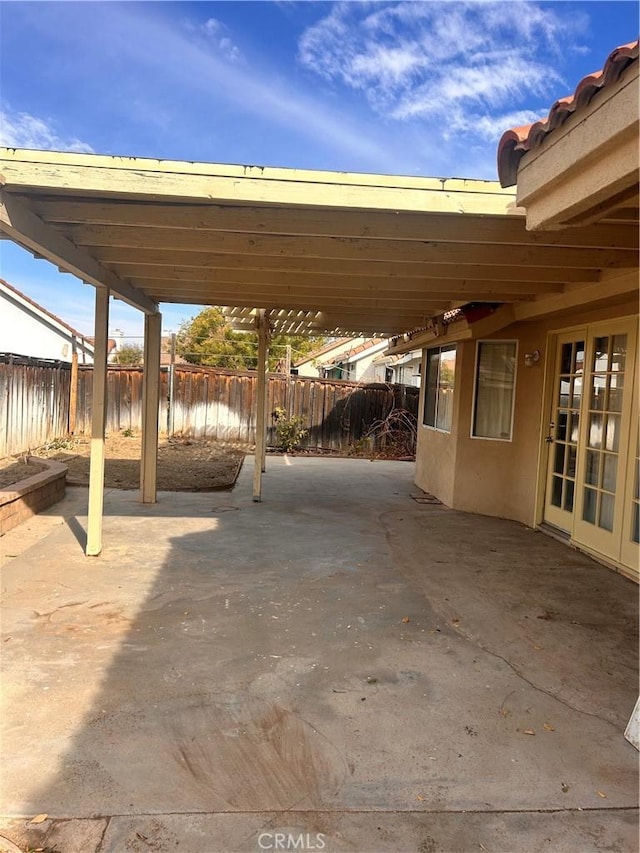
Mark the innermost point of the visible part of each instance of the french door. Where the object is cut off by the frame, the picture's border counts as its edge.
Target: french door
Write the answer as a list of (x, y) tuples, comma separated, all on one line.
[(592, 485)]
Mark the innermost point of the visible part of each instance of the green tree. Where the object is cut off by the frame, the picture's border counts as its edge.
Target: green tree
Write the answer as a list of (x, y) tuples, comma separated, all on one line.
[(129, 354), (208, 339)]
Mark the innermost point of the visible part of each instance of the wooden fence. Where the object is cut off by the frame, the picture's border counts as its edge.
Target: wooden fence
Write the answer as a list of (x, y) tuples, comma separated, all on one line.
[(215, 404), (34, 402)]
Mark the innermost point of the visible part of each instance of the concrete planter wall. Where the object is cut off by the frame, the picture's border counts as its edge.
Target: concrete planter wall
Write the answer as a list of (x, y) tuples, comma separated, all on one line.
[(33, 494)]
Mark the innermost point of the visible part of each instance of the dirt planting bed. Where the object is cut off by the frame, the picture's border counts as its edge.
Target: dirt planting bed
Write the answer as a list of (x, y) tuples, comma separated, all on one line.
[(183, 465)]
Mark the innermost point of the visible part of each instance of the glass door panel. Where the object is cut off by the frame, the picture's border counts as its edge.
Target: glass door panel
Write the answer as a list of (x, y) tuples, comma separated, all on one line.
[(564, 430), (606, 381)]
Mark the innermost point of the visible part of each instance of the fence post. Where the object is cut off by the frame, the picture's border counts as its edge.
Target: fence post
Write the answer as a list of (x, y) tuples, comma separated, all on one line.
[(73, 393)]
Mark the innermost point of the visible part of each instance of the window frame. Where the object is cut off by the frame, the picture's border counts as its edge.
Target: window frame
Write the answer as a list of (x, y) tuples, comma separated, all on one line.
[(476, 373), (424, 381)]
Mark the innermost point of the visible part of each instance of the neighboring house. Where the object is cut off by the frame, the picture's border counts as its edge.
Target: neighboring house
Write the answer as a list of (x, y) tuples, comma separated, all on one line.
[(346, 358), (402, 369), (531, 412), (28, 329), (312, 364)]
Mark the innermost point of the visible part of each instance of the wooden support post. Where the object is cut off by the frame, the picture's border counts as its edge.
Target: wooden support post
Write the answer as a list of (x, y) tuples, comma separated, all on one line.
[(150, 404), (98, 418), (73, 392), (266, 409), (262, 324)]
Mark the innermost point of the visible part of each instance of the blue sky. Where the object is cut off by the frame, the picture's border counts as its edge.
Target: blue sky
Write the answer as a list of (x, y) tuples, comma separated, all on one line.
[(421, 88)]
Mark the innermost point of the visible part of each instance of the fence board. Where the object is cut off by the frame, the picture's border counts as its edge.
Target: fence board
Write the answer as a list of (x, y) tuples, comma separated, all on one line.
[(208, 402), (34, 403)]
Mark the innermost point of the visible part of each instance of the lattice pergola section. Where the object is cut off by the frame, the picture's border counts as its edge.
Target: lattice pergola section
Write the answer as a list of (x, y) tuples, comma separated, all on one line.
[(281, 321)]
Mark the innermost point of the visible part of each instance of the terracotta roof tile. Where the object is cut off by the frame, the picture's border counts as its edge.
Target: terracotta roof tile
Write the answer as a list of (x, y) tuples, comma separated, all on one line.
[(322, 350), (364, 346), (516, 142)]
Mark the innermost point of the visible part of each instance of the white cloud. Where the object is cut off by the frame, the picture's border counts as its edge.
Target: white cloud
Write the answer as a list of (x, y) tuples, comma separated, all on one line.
[(217, 34), (466, 65), (258, 90), (489, 128), (22, 130)]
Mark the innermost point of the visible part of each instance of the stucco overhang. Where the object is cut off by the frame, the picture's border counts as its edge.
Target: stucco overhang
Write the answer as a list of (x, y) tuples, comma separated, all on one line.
[(580, 164)]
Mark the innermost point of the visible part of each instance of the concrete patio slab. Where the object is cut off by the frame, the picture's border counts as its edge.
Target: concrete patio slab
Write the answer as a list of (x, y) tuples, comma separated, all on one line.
[(337, 667)]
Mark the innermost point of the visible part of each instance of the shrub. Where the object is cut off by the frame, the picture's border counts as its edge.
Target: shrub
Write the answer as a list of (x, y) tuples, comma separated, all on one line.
[(289, 430)]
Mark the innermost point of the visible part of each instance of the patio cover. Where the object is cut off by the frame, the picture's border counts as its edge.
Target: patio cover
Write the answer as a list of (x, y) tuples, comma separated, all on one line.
[(289, 250)]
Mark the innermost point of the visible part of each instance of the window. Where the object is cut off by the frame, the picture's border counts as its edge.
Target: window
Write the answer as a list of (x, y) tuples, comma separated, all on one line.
[(494, 391), (438, 394)]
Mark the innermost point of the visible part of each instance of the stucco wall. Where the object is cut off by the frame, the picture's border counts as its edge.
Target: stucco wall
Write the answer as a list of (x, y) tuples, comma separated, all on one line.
[(436, 450), (498, 477)]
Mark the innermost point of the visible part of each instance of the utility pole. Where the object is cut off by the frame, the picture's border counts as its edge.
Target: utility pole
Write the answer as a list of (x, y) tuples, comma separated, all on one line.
[(287, 381), (172, 382)]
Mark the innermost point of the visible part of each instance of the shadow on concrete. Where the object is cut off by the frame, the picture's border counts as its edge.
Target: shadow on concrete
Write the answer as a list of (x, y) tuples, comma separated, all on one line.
[(78, 531), (339, 662)]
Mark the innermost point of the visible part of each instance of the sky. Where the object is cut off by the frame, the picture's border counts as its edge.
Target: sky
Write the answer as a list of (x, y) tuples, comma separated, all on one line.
[(416, 88)]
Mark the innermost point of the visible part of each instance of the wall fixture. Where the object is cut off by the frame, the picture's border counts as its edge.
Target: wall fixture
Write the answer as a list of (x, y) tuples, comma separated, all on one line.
[(531, 358)]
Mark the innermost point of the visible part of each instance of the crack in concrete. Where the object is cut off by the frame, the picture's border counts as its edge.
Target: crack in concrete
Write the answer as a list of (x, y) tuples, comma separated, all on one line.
[(441, 611), (107, 822), (531, 684)]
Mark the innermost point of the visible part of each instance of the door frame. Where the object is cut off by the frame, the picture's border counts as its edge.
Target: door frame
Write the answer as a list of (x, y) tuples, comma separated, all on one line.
[(587, 533), (544, 448)]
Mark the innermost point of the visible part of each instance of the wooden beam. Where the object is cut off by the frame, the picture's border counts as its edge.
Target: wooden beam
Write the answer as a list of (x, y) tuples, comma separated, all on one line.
[(172, 277), (98, 418), (348, 248), (621, 287), (116, 256), (328, 223), (310, 303), (261, 425), (144, 179), (226, 291), (29, 231), (150, 404)]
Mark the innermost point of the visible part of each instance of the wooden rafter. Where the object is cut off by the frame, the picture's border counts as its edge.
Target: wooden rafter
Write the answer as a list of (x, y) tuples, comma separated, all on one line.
[(353, 253)]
